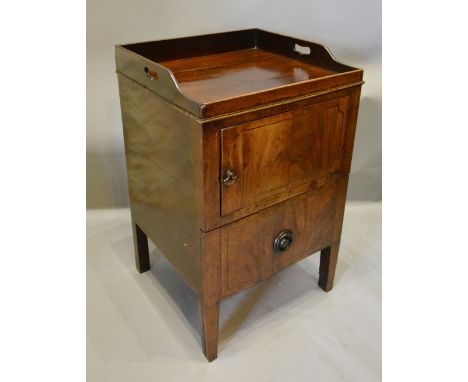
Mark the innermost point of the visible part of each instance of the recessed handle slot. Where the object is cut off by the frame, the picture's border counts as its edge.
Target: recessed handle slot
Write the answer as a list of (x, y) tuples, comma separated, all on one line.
[(151, 74), (302, 50)]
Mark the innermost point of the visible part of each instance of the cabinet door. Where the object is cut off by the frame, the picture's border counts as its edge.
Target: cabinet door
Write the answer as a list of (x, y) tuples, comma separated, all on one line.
[(271, 157)]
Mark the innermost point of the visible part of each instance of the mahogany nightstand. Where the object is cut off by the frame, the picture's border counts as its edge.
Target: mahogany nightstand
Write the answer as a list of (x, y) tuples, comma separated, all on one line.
[(238, 149)]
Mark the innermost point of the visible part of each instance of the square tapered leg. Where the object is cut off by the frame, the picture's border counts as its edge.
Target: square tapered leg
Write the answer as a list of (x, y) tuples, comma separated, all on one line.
[(328, 259), (140, 242), (209, 330)]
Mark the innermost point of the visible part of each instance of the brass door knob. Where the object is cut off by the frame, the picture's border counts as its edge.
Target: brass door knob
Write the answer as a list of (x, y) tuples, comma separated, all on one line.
[(283, 240), (229, 178)]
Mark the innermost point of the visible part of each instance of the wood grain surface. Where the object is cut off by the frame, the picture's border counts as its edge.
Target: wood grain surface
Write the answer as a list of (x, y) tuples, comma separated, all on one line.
[(228, 75), (274, 155), (247, 253), (164, 178)]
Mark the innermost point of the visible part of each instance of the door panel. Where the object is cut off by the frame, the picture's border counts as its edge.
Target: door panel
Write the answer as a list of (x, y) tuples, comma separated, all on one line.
[(272, 155)]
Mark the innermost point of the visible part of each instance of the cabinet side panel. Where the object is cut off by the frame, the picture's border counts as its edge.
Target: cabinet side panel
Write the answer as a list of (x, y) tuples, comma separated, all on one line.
[(351, 131), (163, 155)]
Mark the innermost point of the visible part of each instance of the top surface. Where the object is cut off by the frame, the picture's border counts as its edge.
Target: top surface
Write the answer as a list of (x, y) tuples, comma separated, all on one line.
[(228, 75)]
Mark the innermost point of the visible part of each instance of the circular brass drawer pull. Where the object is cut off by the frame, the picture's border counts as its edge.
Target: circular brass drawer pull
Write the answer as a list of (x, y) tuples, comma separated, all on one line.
[(283, 240), (229, 178)]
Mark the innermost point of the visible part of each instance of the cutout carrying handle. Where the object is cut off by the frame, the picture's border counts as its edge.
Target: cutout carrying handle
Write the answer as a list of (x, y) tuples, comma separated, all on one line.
[(302, 50), (151, 74)]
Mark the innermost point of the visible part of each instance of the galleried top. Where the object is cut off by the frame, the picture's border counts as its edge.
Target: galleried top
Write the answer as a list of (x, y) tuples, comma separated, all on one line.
[(229, 72)]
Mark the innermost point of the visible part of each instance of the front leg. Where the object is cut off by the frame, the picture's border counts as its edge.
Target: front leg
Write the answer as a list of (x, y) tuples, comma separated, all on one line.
[(209, 317), (328, 260), (210, 294)]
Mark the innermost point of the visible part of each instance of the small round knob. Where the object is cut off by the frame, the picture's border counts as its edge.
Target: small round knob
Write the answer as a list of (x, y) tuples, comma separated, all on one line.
[(229, 178), (283, 240)]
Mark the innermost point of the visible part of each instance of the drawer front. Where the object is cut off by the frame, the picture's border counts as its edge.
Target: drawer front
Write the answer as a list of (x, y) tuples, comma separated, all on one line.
[(254, 248), (267, 159)]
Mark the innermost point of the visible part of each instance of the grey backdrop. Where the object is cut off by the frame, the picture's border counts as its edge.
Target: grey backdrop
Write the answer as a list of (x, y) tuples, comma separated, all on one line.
[(350, 29)]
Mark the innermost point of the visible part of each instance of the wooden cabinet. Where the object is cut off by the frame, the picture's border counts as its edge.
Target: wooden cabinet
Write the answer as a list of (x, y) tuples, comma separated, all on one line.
[(238, 148)]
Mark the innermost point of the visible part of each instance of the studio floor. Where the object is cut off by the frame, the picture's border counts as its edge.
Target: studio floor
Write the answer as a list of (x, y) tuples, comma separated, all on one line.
[(145, 327)]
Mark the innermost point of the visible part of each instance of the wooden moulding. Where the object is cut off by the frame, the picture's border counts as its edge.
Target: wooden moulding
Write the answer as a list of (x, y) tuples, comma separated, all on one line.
[(303, 74)]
